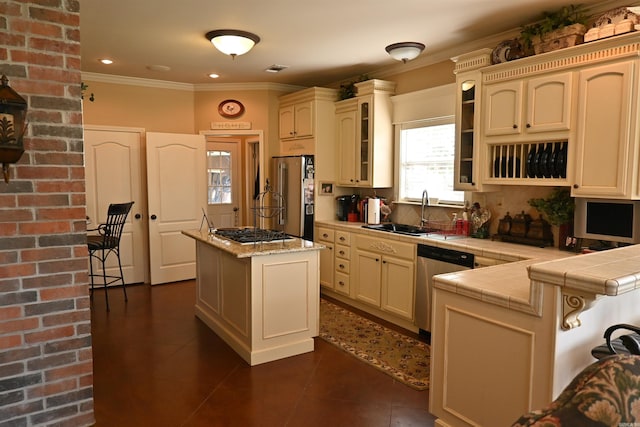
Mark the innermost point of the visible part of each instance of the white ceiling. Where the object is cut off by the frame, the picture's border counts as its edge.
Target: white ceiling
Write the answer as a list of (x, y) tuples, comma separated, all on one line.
[(322, 42)]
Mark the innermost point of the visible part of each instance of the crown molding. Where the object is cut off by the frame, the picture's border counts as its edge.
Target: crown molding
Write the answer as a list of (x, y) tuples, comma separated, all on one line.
[(206, 87)]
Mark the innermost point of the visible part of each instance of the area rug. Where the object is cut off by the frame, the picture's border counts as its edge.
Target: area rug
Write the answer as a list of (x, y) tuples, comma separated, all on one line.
[(404, 358)]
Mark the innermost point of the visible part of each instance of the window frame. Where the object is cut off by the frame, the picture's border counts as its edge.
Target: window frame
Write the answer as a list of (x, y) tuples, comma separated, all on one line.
[(413, 124)]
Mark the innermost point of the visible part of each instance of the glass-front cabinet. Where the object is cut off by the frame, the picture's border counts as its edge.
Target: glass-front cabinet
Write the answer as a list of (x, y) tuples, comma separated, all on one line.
[(465, 179), (467, 170)]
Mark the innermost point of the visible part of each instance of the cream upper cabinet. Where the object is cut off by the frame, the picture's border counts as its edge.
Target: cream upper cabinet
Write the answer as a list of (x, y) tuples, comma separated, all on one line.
[(296, 121), (607, 135), (467, 171), (365, 151), (346, 124), (544, 107)]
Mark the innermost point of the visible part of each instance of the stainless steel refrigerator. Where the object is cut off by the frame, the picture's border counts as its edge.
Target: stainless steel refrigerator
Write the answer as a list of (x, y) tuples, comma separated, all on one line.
[(293, 180)]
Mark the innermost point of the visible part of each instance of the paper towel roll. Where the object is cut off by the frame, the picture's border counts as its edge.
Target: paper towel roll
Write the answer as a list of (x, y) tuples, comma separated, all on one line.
[(373, 211)]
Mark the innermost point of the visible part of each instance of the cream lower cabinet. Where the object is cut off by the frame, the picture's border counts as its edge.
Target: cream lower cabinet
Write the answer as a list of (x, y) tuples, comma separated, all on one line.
[(607, 135), (342, 262), (325, 236), (383, 275)]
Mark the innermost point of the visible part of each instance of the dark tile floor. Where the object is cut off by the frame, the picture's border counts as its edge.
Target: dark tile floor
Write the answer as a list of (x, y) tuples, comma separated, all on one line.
[(156, 364)]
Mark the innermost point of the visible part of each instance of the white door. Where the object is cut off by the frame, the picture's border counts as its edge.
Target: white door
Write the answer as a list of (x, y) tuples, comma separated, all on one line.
[(113, 173), (177, 196), (224, 183)]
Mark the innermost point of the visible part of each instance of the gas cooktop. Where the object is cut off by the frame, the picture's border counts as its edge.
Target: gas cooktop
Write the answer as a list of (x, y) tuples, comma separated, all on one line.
[(252, 235)]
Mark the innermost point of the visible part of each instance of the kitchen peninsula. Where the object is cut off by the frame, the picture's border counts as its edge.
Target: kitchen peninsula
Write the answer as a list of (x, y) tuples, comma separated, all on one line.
[(261, 298)]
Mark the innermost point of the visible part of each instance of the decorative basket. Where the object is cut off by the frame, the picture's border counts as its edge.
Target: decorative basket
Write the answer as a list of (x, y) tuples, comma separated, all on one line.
[(559, 39)]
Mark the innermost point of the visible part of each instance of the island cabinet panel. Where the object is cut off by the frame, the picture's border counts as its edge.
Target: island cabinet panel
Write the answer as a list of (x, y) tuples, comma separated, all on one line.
[(285, 299), (236, 290)]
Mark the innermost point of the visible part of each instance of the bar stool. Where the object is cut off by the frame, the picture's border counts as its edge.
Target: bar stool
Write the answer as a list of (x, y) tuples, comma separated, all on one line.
[(107, 242)]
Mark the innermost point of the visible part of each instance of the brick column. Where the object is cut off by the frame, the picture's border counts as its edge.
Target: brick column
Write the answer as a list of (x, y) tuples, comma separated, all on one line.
[(46, 373)]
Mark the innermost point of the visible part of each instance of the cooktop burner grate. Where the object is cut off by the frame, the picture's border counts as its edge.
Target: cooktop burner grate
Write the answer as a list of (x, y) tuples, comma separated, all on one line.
[(252, 235)]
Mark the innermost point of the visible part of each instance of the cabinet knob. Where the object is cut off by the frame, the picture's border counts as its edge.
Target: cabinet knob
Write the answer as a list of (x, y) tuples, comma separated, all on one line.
[(576, 186), (325, 235), (341, 252), (515, 126), (528, 125), (341, 283), (384, 262), (377, 260), (154, 217), (341, 266)]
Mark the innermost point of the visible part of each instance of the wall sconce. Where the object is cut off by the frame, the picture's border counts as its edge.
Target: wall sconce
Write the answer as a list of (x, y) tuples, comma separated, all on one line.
[(232, 42), (405, 51), (13, 111)]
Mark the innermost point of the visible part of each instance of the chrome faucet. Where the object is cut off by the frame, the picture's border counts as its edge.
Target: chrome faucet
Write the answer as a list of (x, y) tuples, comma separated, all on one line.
[(424, 205)]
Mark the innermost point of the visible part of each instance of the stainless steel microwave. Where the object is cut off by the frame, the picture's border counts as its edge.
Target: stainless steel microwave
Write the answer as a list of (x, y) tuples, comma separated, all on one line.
[(607, 219)]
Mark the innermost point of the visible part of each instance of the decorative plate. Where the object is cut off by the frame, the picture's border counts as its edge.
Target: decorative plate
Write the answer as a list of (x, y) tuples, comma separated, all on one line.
[(507, 50), (230, 108)]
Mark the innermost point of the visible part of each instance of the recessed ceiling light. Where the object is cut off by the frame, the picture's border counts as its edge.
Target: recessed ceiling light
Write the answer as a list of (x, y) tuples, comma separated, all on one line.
[(158, 68), (106, 61), (275, 68), (214, 75)]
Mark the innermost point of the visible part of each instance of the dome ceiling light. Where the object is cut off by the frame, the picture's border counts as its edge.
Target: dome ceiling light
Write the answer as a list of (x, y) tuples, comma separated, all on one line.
[(405, 51), (232, 42)]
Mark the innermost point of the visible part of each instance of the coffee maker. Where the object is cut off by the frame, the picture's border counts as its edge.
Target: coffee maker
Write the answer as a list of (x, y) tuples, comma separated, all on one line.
[(346, 205)]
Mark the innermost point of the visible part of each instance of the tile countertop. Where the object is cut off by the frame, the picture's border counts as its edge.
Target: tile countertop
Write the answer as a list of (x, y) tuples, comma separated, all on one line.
[(509, 285), (251, 249)]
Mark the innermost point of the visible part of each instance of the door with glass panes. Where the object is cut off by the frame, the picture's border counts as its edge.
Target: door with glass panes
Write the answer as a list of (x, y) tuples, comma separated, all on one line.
[(223, 182)]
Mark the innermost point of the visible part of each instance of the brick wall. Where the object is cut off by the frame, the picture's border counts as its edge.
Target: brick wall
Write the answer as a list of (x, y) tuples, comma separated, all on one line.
[(46, 373)]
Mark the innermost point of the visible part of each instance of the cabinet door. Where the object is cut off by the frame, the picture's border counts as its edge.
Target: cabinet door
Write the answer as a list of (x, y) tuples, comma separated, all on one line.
[(549, 103), (326, 265), (398, 286), (466, 150), (503, 108), (303, 119), (603, 131), (346, 138), (368, 277), (286, 122), (364, 141)]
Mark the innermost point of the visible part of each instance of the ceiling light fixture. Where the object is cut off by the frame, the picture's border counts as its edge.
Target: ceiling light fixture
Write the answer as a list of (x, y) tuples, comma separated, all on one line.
[(405, 51), (106, 61), (232, 42)]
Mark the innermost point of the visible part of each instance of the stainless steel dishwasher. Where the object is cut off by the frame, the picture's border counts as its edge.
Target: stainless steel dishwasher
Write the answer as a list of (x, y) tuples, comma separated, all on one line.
[(431, 261)]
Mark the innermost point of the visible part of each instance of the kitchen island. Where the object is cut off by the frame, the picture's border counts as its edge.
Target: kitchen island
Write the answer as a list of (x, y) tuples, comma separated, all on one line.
[(262, 299), (504, 342)]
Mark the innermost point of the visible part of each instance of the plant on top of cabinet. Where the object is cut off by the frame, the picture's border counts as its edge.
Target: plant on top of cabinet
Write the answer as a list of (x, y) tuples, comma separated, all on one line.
[(562, 28), (349, 90)]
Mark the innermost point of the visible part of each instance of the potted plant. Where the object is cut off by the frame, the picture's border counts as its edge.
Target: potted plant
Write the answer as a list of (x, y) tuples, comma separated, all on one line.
[(558, 209), (563, 28)]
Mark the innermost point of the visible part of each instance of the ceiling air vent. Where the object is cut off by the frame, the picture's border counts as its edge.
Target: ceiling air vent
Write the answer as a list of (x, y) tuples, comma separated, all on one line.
[(275, 68)]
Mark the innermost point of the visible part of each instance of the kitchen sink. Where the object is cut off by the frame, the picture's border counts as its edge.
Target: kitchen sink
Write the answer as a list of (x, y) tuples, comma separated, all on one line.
[(411, 230)]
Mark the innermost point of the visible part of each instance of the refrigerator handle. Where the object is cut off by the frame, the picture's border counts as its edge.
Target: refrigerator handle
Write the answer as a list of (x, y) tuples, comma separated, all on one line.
[(282, 182)]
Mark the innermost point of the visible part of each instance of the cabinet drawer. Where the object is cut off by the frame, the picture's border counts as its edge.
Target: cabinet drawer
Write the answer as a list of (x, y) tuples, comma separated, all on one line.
[(325, 234), (342, 283), (386, 247), (342, 265), (343, 238), (343, 252)]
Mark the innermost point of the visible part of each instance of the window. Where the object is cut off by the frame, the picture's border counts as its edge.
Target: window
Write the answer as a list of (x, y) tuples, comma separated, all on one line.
[(219, 177), (427, 160)]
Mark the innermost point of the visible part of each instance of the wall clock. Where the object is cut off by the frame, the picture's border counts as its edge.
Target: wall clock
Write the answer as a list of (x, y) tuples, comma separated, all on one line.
[(230, 108)]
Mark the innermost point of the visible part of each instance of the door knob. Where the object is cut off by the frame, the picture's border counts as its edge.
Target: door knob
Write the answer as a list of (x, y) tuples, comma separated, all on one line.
[(153, 217)]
